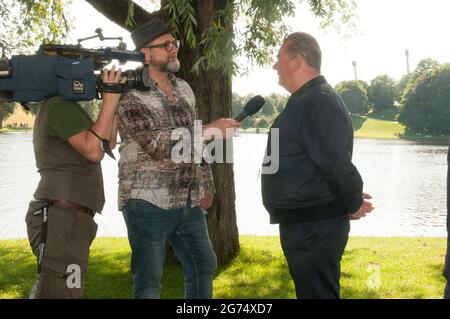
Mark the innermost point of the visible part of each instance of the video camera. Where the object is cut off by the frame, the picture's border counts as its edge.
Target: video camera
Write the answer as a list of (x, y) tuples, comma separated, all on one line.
[(69, 71)]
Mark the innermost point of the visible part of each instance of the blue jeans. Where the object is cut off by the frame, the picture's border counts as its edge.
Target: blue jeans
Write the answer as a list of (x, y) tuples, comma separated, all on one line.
[(149, 228)]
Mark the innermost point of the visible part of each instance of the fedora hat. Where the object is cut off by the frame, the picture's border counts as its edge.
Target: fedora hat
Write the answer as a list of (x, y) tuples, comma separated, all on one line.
[(149, 31)]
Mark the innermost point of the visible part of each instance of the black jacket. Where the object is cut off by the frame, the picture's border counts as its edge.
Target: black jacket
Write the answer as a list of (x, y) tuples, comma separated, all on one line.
[(316, 179)]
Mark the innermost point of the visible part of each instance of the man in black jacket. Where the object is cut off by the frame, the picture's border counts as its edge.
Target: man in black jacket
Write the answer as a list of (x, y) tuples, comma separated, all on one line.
[(316, 189)]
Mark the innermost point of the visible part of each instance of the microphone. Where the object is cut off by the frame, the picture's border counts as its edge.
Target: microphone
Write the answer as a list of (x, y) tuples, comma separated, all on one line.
[(252, 106)]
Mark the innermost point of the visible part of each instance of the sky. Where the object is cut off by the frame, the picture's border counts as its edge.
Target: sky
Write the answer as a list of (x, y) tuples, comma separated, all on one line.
[(384, 30)]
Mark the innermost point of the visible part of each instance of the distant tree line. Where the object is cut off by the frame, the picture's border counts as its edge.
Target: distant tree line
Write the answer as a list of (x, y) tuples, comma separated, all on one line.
[(420, 100), (92, 108)]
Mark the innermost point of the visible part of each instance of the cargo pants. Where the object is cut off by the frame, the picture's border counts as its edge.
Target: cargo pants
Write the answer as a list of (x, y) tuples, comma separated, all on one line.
[(70, 233)]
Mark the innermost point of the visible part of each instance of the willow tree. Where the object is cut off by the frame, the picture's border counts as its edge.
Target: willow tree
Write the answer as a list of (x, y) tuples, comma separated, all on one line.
[(213, 33), (27, 23)]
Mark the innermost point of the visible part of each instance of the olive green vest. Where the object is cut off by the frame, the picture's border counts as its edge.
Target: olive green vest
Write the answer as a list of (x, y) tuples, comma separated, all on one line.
[(65, 173)]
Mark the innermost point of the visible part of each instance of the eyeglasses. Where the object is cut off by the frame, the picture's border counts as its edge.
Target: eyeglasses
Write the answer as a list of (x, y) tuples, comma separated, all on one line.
[(168, 45)]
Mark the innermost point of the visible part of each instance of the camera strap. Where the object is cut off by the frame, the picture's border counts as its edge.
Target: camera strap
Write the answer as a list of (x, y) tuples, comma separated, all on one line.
[(104, 144), (43, 240), (113, 87)]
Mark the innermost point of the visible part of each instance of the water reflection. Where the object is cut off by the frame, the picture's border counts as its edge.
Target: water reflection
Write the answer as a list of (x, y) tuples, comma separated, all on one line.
[(406, 178)]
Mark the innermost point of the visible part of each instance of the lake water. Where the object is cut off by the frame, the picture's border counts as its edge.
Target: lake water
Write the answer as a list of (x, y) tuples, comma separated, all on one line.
[(406, 179)]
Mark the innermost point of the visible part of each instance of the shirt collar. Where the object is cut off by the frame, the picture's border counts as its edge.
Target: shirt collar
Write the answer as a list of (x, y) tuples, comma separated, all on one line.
[(149, 82)]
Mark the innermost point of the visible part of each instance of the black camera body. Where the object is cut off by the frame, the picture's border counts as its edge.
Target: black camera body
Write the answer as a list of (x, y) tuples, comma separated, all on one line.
[(70, 71)]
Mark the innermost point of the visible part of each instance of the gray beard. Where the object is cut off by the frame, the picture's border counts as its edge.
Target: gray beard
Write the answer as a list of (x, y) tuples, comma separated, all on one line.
[(172, 66)]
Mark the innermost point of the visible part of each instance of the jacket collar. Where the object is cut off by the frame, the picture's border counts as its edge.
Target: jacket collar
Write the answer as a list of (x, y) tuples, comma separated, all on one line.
[(318, 80)]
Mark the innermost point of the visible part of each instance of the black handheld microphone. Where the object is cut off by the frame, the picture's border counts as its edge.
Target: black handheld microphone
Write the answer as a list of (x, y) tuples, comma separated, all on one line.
[(252, 106)]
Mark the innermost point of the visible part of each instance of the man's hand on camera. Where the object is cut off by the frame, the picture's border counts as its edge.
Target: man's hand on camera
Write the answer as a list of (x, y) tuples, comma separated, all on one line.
[(221, 129), (115, 77)]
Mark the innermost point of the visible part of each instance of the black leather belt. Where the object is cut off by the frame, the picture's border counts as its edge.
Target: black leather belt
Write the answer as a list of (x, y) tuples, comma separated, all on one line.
[(61, 203)]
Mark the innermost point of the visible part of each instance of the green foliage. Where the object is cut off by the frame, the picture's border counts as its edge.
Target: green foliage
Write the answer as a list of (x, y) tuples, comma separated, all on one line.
[(130, 16), (426, 105), (264, 27), (424, 66), (354, 95), (268, 109), (182, 17), (25, 24), (92, 108), (390, 114), (402, 84), (382, 93), (335, 13), (358, 121), (276, 102), (263, 30), (363, 84), (407, 83), (219, 49)]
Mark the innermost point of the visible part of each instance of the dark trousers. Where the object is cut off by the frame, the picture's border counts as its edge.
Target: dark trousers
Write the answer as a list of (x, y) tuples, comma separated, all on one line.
[(447, 291), (447, 272), (313, 251)]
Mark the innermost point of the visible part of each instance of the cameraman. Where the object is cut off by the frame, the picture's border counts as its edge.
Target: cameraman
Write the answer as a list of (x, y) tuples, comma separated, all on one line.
[(60, 219)]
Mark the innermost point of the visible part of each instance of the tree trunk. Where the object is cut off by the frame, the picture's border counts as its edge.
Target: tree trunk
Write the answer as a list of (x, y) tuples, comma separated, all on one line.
[(213, 94)]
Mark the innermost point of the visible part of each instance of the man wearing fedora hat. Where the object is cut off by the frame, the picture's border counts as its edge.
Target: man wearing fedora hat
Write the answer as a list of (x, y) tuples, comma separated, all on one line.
[(163, 199)]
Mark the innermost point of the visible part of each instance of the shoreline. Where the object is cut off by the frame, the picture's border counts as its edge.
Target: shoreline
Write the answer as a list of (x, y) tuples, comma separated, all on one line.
[(3, 240), (379, 134)]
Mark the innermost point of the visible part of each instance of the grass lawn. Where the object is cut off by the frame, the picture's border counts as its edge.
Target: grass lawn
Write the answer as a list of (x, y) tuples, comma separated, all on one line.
[(373, 128), (371, 268), (15, 129), (377, 128)]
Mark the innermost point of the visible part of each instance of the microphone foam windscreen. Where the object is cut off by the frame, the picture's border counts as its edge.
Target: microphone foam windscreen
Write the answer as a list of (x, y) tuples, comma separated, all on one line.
[(254, 105)]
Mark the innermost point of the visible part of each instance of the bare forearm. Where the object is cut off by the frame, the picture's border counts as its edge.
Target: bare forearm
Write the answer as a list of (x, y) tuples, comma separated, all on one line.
[(87, 143), (114, 130)]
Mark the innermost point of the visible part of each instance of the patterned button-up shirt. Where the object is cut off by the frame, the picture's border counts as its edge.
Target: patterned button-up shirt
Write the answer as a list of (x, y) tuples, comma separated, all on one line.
[(146, 168)]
